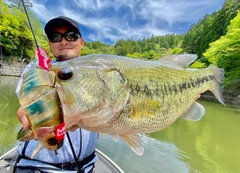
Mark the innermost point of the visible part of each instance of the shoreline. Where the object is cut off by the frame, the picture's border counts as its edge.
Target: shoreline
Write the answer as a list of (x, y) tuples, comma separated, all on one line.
[(230, 98), (14, 69)]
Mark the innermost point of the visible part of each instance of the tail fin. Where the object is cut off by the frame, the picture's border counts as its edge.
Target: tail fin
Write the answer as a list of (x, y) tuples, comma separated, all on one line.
[(218, 88)]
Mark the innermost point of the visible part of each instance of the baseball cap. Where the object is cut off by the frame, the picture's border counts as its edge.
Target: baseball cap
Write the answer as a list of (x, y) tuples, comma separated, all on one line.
[(61, 21)]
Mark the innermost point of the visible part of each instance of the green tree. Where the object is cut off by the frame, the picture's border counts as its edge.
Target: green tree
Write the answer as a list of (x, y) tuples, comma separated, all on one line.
[(209, 29), (225, 53), (16, 37)]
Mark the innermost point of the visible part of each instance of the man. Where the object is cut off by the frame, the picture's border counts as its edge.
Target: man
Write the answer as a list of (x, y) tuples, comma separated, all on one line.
[(65, 42)]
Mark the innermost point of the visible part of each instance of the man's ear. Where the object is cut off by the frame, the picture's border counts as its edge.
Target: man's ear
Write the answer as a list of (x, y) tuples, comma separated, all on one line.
[(82, 42)]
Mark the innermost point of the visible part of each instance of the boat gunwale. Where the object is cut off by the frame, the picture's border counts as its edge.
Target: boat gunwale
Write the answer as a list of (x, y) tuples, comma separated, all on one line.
[(108, 163)]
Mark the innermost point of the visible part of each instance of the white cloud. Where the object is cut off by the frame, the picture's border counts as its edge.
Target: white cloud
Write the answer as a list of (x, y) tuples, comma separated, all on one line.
[(115, 19), (42, 12)]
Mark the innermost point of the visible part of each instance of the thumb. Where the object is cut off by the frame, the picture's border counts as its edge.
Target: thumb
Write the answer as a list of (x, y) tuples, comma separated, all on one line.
[(24, 122)]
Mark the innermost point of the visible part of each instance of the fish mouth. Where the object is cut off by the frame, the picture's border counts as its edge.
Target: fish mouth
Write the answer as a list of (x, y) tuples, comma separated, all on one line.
[(49, 138), (50, 142)]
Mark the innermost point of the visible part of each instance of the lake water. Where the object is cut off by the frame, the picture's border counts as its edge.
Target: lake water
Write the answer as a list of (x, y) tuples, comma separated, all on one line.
[(209, 145)]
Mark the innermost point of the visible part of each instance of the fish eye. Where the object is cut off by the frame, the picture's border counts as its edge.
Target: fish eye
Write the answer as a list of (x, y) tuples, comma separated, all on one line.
[(52, 141), (65, 73)]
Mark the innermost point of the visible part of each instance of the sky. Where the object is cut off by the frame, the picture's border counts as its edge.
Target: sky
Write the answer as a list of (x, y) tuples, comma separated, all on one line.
[(110, 20)]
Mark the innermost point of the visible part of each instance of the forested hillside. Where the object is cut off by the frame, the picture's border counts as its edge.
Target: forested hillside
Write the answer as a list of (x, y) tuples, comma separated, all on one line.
[(148, 48), (16, 37), (209, 29), (225, 53), (215, 39)]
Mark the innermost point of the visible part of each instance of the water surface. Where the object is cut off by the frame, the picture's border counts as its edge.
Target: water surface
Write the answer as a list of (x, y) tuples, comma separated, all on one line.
[(209, 145)]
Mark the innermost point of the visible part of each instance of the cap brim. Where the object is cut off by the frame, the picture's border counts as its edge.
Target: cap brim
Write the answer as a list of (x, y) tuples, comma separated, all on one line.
[(58, 22)]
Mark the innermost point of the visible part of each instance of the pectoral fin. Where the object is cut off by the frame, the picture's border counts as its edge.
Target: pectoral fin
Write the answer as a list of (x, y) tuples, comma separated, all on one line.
[(134, 142), (147, 108), (194, 113)]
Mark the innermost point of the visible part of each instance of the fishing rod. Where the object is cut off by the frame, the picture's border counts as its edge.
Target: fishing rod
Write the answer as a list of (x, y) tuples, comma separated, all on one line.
[(35, 40)]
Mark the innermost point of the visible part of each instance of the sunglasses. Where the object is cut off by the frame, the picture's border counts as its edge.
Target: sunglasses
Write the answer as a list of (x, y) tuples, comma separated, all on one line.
[(69, 36)]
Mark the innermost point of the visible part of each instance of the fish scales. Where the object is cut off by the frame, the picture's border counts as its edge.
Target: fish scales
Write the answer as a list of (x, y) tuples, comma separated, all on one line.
[(145, 77), (124, 97), (180, 97)]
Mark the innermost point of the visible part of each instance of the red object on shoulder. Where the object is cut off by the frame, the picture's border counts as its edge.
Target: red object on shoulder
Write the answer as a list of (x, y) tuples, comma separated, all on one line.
[(43, 58)]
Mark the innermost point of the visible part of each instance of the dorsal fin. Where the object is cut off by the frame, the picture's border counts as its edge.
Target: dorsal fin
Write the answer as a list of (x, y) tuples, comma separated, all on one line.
[(182, 60)]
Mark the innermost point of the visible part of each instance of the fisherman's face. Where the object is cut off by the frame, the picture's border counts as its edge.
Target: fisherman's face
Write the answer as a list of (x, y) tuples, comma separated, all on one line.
[(65, 50)]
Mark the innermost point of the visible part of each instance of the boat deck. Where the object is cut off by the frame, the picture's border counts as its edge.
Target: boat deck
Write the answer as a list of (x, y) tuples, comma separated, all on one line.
[(103, 165)]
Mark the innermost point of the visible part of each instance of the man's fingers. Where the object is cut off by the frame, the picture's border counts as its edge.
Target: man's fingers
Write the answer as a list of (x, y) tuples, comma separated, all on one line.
[(24, 122), (22, 118)]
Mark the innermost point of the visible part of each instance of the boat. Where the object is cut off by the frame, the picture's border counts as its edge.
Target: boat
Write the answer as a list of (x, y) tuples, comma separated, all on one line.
[(103, 165)]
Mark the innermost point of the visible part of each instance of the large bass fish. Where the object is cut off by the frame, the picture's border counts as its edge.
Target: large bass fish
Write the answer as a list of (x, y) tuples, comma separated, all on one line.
[(121, 96)]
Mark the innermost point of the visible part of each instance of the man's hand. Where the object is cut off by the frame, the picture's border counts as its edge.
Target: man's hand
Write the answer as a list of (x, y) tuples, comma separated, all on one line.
[(22, 118)]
